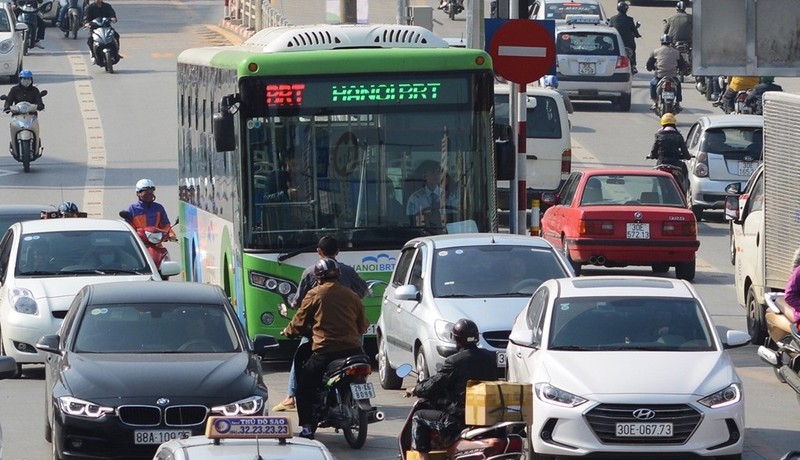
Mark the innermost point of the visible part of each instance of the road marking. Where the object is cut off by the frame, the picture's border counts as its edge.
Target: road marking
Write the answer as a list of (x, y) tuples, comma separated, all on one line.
[(93, 193)]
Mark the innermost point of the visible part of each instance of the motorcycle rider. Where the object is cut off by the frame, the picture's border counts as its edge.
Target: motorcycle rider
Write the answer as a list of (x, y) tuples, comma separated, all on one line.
[(736, 84), (669, 146), (62, 13), (756, 97), (679, 25), (99, 9), (446, 390), (628, 30), (551, 82), (40, 25), (24, 91), (146, 212), (443, 3), (327, 247), (792, 291), (336, 317), (666, 61)]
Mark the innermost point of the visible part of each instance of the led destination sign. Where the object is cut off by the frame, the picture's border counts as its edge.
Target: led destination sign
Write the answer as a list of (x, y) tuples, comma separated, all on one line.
[(328, 93)]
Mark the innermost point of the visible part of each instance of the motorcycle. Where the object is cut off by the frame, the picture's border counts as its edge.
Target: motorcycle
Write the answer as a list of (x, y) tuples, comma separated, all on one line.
[(686, 54), (105, 44), (343, 399), (705, 86), (154, 239), (781, 349), (667, 96), (29, 15), (453, 7), (677, 173), (73, 22), (501, 441), (740, 104), (25, 145)]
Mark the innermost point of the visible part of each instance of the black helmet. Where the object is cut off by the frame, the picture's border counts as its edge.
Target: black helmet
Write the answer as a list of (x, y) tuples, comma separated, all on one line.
[(680, 6), (666, 39), (326, 269), (622, 7), (68, 207), (465, 333)]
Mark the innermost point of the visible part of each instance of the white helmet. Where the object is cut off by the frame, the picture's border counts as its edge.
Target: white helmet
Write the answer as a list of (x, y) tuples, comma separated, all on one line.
[(143, 184)]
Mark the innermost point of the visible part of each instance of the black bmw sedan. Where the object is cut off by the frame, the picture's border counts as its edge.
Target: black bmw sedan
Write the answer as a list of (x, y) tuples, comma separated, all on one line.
[(135, 364)]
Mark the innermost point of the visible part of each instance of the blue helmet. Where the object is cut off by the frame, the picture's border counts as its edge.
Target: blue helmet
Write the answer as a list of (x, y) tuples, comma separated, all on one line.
[(26, 74), (68, 207), (550, 80)]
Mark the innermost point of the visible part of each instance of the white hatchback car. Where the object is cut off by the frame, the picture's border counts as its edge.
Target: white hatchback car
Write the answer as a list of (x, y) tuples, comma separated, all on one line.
[(591, 62), (438, 280), (11, 34), (724, 149), (44, 263), (626, 367)]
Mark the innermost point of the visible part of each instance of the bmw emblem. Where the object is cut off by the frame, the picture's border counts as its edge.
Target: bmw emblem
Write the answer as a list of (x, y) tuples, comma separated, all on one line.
[(637, 215), (644, 414), (162, 401)]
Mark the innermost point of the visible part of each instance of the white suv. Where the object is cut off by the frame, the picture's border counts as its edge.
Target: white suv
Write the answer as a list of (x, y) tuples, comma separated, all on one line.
[(44, 263), (591, 62)]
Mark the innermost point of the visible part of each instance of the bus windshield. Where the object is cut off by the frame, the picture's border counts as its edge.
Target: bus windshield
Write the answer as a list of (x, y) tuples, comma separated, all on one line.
[(375, 160)]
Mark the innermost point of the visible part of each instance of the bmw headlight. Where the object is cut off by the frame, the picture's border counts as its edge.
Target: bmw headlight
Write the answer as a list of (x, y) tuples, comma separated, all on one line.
[(22, 301), (444, 330), (731, 394), (553, 395), (6, 46), (80, 408), (253, 405)]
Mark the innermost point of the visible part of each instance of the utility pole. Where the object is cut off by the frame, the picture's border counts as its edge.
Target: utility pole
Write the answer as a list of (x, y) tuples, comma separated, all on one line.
[(348, 11)]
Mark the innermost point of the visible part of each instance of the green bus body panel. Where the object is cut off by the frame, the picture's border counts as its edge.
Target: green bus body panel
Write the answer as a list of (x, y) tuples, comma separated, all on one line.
[(350, 61)]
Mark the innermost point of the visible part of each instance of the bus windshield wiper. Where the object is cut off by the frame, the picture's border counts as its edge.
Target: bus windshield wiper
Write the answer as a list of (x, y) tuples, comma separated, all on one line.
[(296, 252)]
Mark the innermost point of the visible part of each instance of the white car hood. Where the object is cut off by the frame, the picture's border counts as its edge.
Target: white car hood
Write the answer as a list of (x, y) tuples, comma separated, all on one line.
[(490, 314), (600, 375), (58, 292)]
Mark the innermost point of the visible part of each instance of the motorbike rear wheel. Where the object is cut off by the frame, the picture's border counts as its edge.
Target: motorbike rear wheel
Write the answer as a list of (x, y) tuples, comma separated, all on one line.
[(109, 63), (355, 434)]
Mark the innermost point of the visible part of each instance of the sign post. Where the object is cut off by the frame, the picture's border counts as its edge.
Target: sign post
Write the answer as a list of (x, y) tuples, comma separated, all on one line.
[(522, 51)]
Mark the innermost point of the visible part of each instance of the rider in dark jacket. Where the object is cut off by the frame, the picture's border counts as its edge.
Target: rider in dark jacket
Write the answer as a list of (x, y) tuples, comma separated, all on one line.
[(679, 25), (756, 97), (669, 146), (627, 29), (24, 91), (40, 25), (99, 9), (446, 390)]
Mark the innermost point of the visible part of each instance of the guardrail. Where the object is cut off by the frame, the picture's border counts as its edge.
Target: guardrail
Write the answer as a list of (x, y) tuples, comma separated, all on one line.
[(254, 15)]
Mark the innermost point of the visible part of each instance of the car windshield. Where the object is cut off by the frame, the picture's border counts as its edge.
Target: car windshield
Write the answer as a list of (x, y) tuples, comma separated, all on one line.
[(742, 140), (621, 189), (155, 328), (514, 271), (74, 253), (587, 43), (561, 10), (629, 323)]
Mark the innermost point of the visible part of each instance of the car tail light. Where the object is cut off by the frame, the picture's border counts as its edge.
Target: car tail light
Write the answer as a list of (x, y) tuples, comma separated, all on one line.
[(679, 228), (566, 162), (596, 227), (701, 166), (623, 62)]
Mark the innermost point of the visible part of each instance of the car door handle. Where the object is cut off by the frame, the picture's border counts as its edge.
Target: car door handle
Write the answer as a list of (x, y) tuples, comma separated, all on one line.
[(519, 355)]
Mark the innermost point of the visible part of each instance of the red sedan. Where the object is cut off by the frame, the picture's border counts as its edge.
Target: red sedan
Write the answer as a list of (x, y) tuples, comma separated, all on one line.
[(621, 217)]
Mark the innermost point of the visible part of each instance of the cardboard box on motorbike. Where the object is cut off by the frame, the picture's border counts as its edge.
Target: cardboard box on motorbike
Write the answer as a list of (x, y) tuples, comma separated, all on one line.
[(488, 403)]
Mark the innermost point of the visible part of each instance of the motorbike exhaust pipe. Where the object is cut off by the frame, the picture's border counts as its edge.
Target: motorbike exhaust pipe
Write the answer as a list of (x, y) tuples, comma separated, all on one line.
[(792, 378), (767, 355), (375, 416)]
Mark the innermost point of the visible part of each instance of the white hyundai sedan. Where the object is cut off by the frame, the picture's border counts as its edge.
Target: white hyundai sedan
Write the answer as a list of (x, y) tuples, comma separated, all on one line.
[(627, 367)]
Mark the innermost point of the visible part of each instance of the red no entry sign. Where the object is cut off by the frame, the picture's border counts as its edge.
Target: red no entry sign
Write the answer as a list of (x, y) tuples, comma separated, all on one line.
[(523, 50)]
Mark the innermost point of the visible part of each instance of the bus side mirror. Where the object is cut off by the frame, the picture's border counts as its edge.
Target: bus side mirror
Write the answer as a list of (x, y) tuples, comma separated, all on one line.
[(504, 152), (224, 136)]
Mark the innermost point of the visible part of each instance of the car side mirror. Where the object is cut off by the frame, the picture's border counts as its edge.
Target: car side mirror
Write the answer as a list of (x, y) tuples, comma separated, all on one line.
[(170, 268), (732, 208), (263, 343), (408, 292), (522, 338), (49, 344), (549, 198)]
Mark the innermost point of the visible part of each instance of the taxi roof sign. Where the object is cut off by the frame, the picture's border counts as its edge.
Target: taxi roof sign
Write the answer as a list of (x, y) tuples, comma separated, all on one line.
[(582, 19), (248, 427)]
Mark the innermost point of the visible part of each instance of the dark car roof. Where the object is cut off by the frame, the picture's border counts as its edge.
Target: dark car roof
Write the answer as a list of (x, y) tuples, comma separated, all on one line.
[(150, 292), (11, 213)]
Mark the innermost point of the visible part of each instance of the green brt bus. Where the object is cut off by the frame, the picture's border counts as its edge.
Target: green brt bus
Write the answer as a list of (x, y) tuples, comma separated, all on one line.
[(308, 131)]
